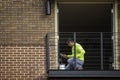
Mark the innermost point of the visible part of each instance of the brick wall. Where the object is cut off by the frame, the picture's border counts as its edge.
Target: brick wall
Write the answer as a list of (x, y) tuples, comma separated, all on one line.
[(23, 26), (25, 18), (22, 62)]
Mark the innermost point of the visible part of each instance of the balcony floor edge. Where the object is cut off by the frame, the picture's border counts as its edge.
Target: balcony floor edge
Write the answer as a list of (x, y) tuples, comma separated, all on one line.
[(59, 73)]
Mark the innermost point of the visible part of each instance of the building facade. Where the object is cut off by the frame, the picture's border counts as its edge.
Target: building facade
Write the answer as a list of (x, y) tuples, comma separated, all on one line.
[(23, 28)]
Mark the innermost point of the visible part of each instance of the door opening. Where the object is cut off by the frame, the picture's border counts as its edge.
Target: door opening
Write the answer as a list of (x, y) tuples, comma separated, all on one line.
[(88, 18), (85, 17)]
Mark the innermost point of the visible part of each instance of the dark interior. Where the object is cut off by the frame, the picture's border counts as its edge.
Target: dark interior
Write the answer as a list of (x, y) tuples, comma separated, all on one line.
[(87, 18)]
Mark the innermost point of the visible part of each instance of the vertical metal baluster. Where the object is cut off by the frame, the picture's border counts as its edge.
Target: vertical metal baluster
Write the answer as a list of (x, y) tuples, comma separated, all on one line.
[(75, 50), (101, 37)]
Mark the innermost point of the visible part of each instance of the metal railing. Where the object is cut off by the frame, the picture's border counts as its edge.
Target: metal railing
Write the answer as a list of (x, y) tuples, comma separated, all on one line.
[(101, 49)]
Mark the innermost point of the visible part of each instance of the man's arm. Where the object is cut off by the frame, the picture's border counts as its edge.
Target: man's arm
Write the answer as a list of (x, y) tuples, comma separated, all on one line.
[(70, 56)]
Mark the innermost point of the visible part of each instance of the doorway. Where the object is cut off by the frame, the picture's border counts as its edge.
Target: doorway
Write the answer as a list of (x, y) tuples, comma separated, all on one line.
[(90, 19), (85, 17)]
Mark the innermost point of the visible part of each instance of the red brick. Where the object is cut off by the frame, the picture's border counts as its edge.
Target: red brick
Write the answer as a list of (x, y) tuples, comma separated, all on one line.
[(9, 57), (9, 53), (9, 48), (24, 53), (16, 53), (24, 48), (20, 50), (17, 48), (31, 53), (5, 50), (16, 58), (32, 48), (5, 55), (12, 50), (36, 50)]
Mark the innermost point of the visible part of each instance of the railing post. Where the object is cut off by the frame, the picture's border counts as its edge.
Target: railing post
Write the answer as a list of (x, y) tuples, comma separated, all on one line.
[(75, 50), (101, 43), (47, 52), (114, 50)]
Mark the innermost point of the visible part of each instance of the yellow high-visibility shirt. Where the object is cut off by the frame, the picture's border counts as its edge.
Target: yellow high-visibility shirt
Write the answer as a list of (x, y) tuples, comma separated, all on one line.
[(79, 52)]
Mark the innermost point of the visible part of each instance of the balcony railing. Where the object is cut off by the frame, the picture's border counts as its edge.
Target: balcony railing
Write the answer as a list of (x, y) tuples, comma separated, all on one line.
[(102, 53)]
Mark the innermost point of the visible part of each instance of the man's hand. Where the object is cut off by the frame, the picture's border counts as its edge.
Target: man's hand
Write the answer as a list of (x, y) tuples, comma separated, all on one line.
[(64, 55)]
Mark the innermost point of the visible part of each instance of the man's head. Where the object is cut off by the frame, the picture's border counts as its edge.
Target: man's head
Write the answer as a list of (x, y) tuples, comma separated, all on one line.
[(70, 42)]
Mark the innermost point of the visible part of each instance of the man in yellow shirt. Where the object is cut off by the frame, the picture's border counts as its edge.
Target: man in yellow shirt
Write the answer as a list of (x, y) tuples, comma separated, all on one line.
[(79, 56)]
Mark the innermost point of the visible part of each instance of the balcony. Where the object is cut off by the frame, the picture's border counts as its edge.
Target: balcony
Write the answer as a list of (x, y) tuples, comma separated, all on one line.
[(101, 57)]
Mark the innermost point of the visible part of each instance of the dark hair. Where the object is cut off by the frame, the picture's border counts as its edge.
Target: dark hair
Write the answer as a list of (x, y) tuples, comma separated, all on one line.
[(69, 40)]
